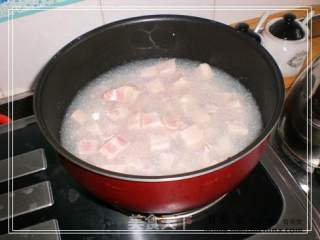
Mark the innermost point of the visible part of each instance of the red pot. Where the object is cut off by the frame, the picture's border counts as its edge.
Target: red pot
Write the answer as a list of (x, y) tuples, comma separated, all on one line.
[(167, 196), (171, 36)]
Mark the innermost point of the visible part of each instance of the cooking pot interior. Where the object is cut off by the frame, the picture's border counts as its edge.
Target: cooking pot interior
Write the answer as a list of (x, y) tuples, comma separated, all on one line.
[(158, 36)]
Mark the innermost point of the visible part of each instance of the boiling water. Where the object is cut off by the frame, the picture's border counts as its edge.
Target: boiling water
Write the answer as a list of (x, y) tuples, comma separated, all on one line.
[(174, 116)]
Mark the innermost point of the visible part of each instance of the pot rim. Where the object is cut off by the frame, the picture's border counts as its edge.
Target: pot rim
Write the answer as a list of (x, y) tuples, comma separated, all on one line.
[(162, 178)]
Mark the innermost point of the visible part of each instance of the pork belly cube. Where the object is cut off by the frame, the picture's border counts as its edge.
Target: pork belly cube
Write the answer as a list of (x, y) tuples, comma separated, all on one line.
[(126, 93), (188, 103), (112, 95), (167, 68), (79, 116), (231, 100), (173, 121), (149, 72), (205, 71), (237, 129), (200, 117), (181, 83), (131, 93), (94, 129), (87, 146), (188, 99), (151, 120), (235, 104), (117, 113), (134, 120), (155, 86), (113, 147), (211, 108), (192, 136), (159, 142)]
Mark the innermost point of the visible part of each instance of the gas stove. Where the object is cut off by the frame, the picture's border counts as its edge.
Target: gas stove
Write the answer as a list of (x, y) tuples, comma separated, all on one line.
[(46, 203)]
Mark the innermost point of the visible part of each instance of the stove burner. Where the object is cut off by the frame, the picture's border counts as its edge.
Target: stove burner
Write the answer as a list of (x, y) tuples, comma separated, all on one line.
[(177, 218)]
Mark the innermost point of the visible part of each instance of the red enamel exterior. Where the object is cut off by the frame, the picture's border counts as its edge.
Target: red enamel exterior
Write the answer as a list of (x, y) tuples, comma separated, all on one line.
[(168, 196)]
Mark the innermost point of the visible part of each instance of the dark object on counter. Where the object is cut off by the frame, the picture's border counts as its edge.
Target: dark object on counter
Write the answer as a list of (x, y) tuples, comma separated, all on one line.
[(20, 107), (301, 118), (244, 28), (317, 173), (287, 28), (168, 36)]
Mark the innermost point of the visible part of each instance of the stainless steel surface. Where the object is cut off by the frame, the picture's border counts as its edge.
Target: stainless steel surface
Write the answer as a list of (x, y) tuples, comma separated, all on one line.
[(30, 232), (304, 155), (26, 200), (23, 164)]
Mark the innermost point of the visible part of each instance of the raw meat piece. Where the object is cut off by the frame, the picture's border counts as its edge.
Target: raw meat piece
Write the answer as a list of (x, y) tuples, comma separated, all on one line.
[(180, 83), (237, 129), (134, 121), (79, 116), (117, 113), (188, 99), (211, 108), (192, 136), (235, 104), (205, 71), (94, 129), (155, 86), (126, 93), (87, 146), (188, 104), (113, 147), (159, 142), (232, 100), (200, 116), (112, 95), (151, 120), (173, 121), (149, 72), (167, 68), (175, 116)]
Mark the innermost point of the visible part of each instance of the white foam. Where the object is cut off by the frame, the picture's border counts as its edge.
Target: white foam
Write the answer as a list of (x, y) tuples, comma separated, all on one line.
[(235, 120)]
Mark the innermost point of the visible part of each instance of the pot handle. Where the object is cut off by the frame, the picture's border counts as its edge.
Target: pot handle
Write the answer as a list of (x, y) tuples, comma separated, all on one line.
[(4, 119), (244, 28)]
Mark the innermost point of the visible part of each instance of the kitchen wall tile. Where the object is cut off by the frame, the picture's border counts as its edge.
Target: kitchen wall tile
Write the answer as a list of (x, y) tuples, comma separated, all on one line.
[(4, 59), (39, 36), (144, 7)]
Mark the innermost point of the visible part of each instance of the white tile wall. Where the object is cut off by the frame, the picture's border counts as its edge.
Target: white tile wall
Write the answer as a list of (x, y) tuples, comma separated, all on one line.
[(147, 7), (39, 36)]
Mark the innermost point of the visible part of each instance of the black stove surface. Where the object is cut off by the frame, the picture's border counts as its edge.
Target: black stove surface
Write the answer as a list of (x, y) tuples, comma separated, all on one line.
[(268, 202)]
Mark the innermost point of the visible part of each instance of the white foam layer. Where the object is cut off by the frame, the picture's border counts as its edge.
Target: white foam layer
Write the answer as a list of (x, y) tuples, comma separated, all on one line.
[(202, 118)]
